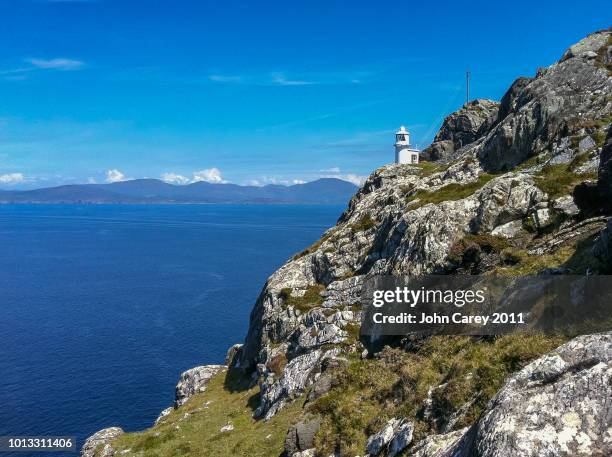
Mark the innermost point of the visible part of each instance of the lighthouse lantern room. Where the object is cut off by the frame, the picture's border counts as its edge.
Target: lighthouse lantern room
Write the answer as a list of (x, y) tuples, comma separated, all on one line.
[(404, 153)]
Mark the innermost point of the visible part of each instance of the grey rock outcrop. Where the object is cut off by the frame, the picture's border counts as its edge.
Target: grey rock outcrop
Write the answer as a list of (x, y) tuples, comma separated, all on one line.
[(462, 128), (603, 246), (393, 438), (297, 375), (194, 381), (604, 179), (550, 106), (438, 445), (559, 405), (379, 441), (98, 444), (401, 439)]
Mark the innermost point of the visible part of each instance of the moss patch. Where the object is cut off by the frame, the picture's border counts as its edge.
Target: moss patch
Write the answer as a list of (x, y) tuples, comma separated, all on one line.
[(450, 192), (429, 168), (199, 434), (369, 392), (311, 298)]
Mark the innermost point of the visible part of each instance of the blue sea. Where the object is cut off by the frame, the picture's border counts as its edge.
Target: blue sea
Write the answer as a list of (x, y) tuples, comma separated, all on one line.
[(103, 306)]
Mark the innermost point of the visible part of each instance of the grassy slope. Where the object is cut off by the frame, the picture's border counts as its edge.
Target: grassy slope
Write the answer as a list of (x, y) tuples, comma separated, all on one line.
[(369, 392), (199, 434)]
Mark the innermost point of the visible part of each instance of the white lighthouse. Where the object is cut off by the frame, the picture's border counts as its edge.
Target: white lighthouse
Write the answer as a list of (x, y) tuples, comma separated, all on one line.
[(404, 153)]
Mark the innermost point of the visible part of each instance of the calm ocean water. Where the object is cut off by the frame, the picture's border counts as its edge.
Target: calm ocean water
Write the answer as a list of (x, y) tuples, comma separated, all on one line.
[(103, 306)]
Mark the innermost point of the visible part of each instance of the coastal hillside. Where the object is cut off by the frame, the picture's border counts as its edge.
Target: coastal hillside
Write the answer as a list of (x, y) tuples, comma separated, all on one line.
[(150, 191), (515, 187)]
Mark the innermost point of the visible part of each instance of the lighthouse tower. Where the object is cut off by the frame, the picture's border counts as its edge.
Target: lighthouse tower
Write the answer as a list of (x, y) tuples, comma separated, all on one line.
[(404, 153)]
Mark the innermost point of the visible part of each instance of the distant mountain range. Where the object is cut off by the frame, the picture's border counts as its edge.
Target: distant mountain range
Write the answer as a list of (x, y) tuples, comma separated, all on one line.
[(321, 191)]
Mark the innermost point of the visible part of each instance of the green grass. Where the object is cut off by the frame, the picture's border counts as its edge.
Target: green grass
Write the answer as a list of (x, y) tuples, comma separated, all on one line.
[(369, 392), (450, 192), (311, 298), (599, 137), (429, 168), (576, 256), (559, 180), (199, 435)]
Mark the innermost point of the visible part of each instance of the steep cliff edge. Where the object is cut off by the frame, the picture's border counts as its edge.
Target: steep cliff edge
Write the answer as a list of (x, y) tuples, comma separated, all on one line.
[(501, 202)]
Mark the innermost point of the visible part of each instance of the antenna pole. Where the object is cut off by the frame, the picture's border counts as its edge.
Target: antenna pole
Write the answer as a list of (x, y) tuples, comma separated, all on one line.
[(467, 86)]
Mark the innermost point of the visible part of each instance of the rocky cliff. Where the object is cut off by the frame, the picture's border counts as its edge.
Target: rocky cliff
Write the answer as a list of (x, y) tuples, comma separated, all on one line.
[(498, 197)]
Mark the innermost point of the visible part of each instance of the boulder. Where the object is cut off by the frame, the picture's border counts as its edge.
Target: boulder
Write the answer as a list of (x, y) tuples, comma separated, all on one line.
[(558, 405), (300, 437), (98, 444), (401, 439), (194, 381), (566, 205), (377, 442)]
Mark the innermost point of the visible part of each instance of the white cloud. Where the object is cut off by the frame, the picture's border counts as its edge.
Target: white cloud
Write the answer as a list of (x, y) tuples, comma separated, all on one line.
[(56, 64), (350, 177), (114, 175), (91, 180), (280, 80), (12, 178), (298, 181), (330, 170), (212, 175), (174, 178), (225, 79)]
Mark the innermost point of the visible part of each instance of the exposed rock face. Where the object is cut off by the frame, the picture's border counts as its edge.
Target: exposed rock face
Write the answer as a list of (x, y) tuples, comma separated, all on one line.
[(550, 106), (297, 375), (194, 381), (558, 405), (604, 181), (462, 128), (100, 442)]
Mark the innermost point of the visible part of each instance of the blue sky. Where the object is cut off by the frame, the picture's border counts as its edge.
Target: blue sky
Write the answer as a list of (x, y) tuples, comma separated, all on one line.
[(252, 92)]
